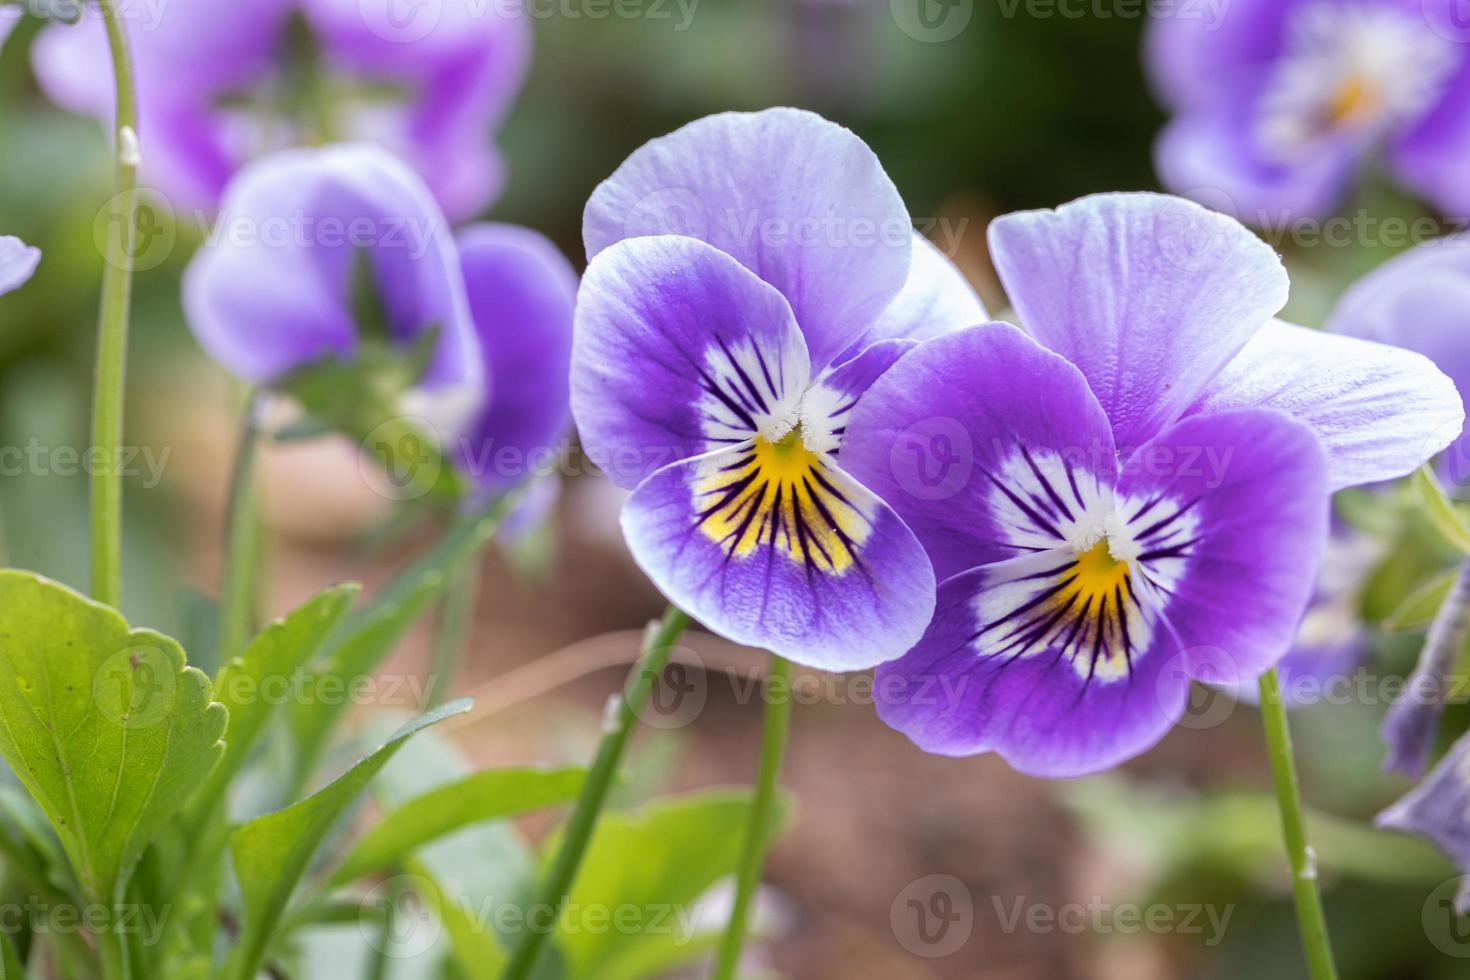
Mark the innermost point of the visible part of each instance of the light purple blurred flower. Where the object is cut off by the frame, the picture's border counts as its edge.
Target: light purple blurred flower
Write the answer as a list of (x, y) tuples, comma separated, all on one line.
[(751, 275), (1143, 503), (1278, 103), (220, 83), (1439, 809), (17, 262)]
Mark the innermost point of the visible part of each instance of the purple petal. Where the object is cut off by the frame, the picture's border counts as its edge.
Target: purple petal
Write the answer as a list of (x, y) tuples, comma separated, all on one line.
[(937, 299), (9, 17), (272, 288), (1439, 809), (17, 262), (1229, 514), (779, 548), (1149, 295), (827, 407), (522, 292), (1191, 53), (1432, 156), (801, 202), (1380, 411), (1411, 725), (965, 690), (1420, 300), (678, 350), (984, 442)]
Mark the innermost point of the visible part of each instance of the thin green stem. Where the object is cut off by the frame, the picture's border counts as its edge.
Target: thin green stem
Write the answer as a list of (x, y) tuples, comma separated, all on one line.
[(1311, 921), (589, 805), (239, 596), (455, 614), (760, 829), (112, 326)]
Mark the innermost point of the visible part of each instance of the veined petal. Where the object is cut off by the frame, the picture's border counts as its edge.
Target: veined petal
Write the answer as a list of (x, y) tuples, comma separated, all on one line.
[(1226, 516), (937, 299), (986, 444), (17, 262), (1380, 411), (522, 292), (1031, 675), (678, 350), (773, 545), (800, 201), (827, 406), (1439, 809), (1149, 295)]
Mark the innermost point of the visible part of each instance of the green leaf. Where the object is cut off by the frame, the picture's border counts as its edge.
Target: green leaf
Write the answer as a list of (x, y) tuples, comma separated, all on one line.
[(11, 967), (1419, 609), (271, 853), (1441, 511), (244, 684), (660, 860), (106, 727), (486, 795), (371, 632)]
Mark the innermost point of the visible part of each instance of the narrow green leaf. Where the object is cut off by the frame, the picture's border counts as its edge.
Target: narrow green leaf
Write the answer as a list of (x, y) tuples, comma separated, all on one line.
[(271, 853), (368, 635), (683, 846), (1441, 511), (250, 685), (1419, 609), (106, 727), (11, 967), (485, 795)]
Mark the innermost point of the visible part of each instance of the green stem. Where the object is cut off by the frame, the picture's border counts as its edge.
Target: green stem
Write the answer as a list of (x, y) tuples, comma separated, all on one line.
[(759, 831), (112, 327), (239, 598), (455, 614), (589, 805), (1310, 918)]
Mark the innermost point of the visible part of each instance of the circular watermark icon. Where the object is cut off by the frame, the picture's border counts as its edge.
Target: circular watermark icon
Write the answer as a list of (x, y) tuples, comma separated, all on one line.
[(401, 21), (147, 237), (933, 458), (402, 458), (670, 211), (1447, 930), (1450, 19), (679, 693), (396, 919), (1189, 238), (1207, 675), (932, 21), (933, 917), (134, 688)]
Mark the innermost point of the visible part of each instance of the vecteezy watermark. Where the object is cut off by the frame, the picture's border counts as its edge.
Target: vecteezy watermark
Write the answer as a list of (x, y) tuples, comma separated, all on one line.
[(1445, 928), (309, 687), (134, 688), (1100, 916), (932, 21), (933, 917), (143, 15), (40, 917), (1212, 12), (400, 917), (36, 458), (408, 21)]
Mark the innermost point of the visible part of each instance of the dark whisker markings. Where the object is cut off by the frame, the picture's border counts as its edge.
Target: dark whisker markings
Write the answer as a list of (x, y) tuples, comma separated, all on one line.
[(1042, 524), (1046, 484), (757, 400), (1155, 528)]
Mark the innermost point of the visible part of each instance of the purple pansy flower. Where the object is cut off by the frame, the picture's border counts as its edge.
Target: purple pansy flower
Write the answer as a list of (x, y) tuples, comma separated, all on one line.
[(221, 83), (714, 371), (1278, 102), (273, 288), (1142, 500), (17, 262)]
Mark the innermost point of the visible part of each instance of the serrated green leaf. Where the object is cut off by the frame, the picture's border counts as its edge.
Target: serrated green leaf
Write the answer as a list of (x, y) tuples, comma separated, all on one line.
[(1419, 609), (107, 727), (277, 653), (271, 853), (1441, 511), (486, 795), (684, 846)]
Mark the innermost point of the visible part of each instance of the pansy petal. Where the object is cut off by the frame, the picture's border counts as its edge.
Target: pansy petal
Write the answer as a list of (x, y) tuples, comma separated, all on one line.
[(1432, 155), (1439, 809), (1228, 517), (678, 349), (522, 292), (987, 444), (776, 547), (1149, 295), (17, 262), (800, 201), (965, 689), (272, 289), (828, 405), (1189, 52), (937, 299), (1380, 411)]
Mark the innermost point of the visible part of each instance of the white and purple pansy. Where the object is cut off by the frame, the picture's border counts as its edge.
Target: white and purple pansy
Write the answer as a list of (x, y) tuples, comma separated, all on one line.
[(17, 262), (1137, 492), (714, 372)]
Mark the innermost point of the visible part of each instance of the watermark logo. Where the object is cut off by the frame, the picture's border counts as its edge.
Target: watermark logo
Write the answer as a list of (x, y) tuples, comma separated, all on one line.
[(933, 917), (679, 693), (149, 235), (1447, 930), (396, 919), (402, 459), (932, 21), (933, 458), (134, 688)]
